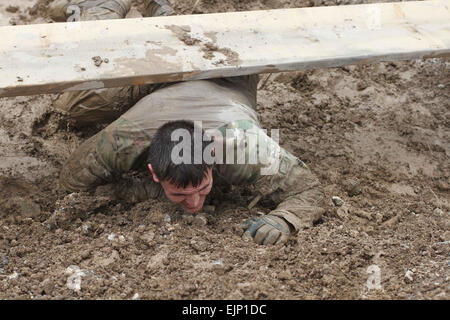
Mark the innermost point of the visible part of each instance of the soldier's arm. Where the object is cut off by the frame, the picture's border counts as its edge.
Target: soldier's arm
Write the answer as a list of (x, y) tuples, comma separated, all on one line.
[(105, 158), (282, 177), (297, 191)]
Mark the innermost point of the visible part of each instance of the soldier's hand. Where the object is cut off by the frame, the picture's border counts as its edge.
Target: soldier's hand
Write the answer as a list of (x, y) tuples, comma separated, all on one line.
[(268, 229)]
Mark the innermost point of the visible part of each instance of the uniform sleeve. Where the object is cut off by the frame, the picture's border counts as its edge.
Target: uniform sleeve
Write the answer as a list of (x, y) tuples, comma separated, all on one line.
[(85, 169), (106, 158), (296, 190), (277, 174)]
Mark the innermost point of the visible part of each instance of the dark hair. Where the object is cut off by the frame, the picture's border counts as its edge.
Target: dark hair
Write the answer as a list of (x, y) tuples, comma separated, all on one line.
[(160, 151)]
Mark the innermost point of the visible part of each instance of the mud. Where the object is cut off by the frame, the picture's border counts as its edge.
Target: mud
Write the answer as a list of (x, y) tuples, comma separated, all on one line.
[(208, 48), (182, 33), (377, 136)]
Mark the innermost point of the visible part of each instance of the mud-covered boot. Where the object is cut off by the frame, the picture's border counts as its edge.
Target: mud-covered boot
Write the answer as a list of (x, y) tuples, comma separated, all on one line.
[(83, 10), (157, 8)]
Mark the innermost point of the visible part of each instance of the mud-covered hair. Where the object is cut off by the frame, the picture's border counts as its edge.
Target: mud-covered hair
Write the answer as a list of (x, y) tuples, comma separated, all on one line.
[(160, 151)]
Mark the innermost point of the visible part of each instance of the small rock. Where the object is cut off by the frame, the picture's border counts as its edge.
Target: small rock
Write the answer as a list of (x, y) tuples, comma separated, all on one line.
[(337, 201), (354, 233), (438, 212), (74, 279), (355, 191), (156, 260), (104, 262), (343, 212), (135, 296), (156, 218), (200, 220), (200, 247), (148, 237), (97, 61), (361, 86), (47, 286), (409, 276), (167, 218), (219, 267), (111, 237), (85, 254), (443, 186), (352, 187), (188, 218), (284, 275)]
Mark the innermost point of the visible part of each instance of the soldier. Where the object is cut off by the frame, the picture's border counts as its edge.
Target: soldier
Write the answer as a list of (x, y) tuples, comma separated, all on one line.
[(142, 135)]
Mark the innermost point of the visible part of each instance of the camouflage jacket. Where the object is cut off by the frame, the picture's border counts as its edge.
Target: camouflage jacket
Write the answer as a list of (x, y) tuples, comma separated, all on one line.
[(220, 104)]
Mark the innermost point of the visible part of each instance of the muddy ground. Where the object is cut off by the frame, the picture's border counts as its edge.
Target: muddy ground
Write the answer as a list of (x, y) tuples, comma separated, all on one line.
[(377, 136)]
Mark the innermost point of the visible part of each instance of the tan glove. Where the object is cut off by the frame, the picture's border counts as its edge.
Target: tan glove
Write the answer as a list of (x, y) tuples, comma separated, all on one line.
[(268, 229)]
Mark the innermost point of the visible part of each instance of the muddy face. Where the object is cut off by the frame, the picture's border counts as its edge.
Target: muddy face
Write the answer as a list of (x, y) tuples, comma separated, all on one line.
[(190, 198)]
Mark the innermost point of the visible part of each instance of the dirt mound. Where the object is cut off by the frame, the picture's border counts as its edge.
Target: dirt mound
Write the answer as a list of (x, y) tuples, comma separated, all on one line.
[(376, 135)]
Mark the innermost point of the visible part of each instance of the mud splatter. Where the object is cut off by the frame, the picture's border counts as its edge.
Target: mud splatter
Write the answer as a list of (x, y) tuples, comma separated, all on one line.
[(182, 33), (209, 48)]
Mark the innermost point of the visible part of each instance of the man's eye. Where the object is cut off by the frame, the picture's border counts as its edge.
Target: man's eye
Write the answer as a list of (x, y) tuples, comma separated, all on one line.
[(205, 191)]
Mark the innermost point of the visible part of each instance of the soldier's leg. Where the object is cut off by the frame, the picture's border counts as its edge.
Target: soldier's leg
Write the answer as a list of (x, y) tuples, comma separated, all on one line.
[(83, 10), (157, 8), (246, 84), (101, 105)]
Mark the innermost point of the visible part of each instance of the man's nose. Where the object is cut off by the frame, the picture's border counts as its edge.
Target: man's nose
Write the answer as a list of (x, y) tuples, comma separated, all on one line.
[(194, 200)]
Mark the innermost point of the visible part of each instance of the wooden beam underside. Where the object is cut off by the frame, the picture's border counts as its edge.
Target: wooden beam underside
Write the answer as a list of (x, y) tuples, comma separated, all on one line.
[(58, 57)]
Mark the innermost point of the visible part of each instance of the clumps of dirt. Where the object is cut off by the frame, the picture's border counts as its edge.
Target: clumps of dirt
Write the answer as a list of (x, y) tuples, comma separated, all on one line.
[(12, 9), (40, 8), (73, 207), (209, 48), (232, 57), (49, 123), (182, 33), (303, 83), (16, 201), (97, 62)]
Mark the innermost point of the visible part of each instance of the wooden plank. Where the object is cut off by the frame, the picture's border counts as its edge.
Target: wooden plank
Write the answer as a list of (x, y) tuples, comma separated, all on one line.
[(49, 58)]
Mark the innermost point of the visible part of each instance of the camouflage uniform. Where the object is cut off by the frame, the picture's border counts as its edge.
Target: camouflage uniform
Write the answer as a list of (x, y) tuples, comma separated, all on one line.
[(227, 103)]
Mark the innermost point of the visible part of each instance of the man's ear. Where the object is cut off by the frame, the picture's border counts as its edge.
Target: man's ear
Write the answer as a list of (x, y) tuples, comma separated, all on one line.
[(155, 178)]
